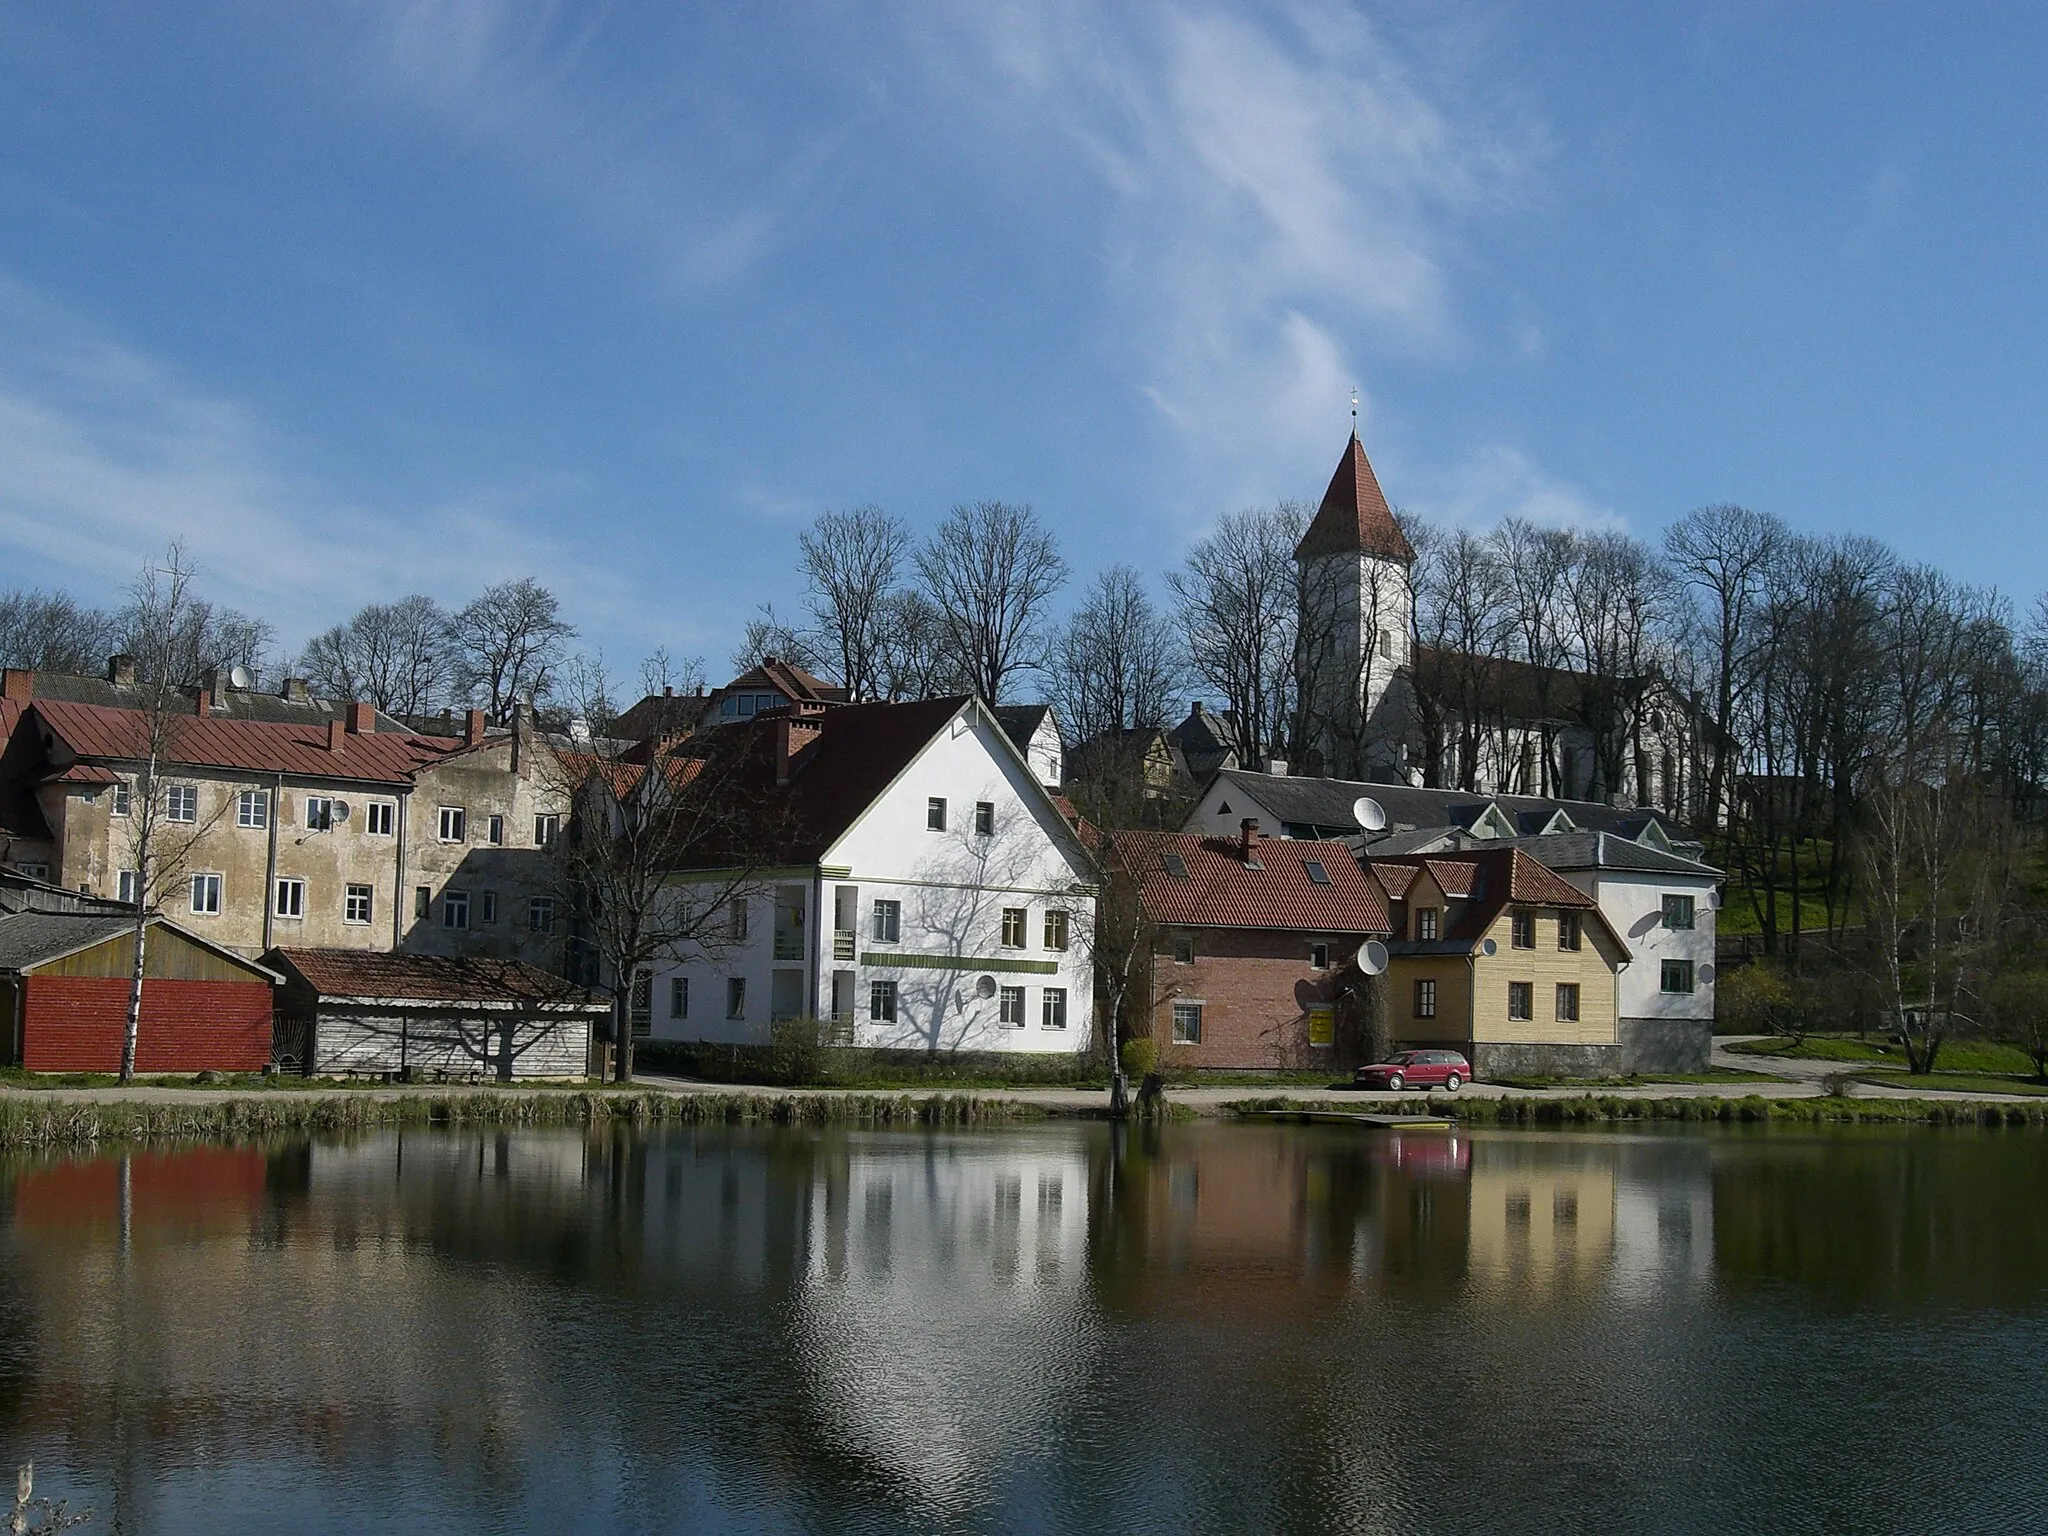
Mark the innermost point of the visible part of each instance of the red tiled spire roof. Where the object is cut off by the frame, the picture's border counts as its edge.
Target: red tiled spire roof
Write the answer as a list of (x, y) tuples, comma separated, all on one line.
[(1354, 517)]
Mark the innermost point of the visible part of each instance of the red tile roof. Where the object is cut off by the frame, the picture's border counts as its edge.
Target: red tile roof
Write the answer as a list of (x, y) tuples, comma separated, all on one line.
[(1489, 879), (1354, 516), (120, 735), (1220, 891), (427, 978), (1395, 878)]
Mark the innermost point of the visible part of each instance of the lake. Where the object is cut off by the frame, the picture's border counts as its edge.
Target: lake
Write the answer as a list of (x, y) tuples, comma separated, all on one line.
[(1205, 1328)]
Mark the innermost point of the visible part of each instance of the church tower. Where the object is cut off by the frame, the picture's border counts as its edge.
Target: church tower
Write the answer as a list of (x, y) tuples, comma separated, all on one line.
[(1356, 614)]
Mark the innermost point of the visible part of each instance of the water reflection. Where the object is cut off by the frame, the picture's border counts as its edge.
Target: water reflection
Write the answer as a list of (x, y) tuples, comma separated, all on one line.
[(1202, 1328)]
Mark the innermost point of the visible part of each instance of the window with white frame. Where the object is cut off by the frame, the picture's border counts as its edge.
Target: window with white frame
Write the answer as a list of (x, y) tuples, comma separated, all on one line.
[(1014, 921), (356, 904), (455, 909), (494, 831), (1319, 957), (1055, 929), (882, 1002), (454, 825), (181, 802), (124, 798), (1012, 1007), (984, 818), (1187, 1023), (290, 898), (679, 997), (540, 916), (252, 808), (935, 814), (1426, 920), (546, 828), (126, 887), (1425, 998), (736, 997), (379, 816), (1053, 1009), (206, 895), (319, 813), (888, 926)]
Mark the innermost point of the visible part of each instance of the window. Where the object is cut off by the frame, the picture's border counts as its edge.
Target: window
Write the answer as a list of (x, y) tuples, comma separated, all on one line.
[(935, 814), (124, 798), (1425, 922), (736, 997), (546, 829), (422, 901), (1425, 999), (1317, 874), (1013, 1007), (378, 817), (290, 900), (1678, 912), (1054, 1013), (181, 802), (252, 808), (1567, 1002), (1521, 1000), (679, 997), (882, 1001), (206, 895), (1055, 930), (1319, 957), (984, 818), (454, 824), (455, 909), (319, 813), (1187, 1023), (640, 1003), (1567, 930), (736, 918), (1387, 644), (494, 833), (487, 907), (540, 916), (1183, 949), (126, 888), (1677, 975), (1523, 926), (888, 921), (34, 871), (1175, 865), (356, 902), (1013, 926)]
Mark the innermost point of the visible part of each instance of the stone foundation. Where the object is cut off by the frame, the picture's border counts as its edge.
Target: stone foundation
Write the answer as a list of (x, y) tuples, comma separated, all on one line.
[(1646, 1045)]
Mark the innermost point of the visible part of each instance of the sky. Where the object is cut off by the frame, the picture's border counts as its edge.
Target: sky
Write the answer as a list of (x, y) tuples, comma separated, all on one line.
[(370, 298)]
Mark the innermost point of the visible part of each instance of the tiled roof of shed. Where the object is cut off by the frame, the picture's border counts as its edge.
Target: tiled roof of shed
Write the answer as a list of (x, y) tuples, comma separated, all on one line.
[(120, 735), (1220, 891)]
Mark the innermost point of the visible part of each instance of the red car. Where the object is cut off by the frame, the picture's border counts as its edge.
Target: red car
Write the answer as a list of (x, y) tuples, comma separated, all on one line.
[(1417, 1069)]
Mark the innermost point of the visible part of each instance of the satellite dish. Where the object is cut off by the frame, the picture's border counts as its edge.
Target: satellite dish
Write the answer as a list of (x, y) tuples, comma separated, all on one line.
[(1369, 813), (985, 986), (1372, 957), (1489, 948), (238, 677), (340, 811)]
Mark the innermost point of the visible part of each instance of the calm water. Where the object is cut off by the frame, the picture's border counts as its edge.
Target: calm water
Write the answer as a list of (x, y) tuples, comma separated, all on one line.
[(1219, 1328)]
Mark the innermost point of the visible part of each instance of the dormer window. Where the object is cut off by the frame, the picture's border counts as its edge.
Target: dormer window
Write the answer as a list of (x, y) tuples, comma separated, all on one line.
[(1317, 874)]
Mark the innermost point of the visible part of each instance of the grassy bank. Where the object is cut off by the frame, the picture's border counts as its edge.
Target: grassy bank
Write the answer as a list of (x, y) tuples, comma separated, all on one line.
[(39, 1122), (1981, 1056), (1735, 1077), (1607, 1109)]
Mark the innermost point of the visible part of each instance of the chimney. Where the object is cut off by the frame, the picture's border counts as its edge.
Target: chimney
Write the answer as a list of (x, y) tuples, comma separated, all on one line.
[(121, 669), (295, 690), (334, 737), (667, 692), (473, 728), (1248, 842), (362, 719), (792, 735), (19, 686), (203, 705), (211, 680)]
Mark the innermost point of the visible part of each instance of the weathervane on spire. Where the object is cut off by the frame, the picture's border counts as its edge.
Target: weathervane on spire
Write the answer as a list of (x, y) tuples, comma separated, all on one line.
[(1354, 410)]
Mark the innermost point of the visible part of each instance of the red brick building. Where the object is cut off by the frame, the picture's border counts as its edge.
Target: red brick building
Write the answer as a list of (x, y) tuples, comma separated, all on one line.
[(1253, 946)]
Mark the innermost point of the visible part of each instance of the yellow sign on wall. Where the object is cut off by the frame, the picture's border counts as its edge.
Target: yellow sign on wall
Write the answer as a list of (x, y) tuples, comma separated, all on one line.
[(1322, 1026)]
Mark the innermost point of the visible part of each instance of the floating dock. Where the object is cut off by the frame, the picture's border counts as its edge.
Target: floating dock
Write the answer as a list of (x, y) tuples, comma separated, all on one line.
[(1351, 1117)]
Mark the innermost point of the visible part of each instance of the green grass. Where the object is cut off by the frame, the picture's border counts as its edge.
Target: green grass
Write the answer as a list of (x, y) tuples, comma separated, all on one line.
[(1958, 1082), (254, 1082), (1636, 1079), (1609, 1109), (1983, 1056)]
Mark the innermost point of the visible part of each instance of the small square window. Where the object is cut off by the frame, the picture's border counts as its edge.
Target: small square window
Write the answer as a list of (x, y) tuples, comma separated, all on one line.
[(1521, 1001), (736, 997), (1053, 1015), (935, 814), (1677, 976), (984, 818), (495, 832), (1187, 1023), (454, 824), (356, 903), (888, 921), (1055, 929), (1319, 957), (546, 829), (181, 803), (1014, 919), (679, 997), (1426, 920), (540, 916), (1425, 999), (1013, 1007), (455, 909), (1567, 1002), (1678, 911), (378, 817), (252, 808), (1183, 949), (206, 895), (1523, 926), (291, 897), (882, 1001)]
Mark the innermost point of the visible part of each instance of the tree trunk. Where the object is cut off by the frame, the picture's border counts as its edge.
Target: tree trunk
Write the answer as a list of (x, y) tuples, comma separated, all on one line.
[(128, 1036), (622, 1039)]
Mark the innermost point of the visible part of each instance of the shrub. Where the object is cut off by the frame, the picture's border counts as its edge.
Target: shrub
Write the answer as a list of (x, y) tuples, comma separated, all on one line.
[(1140, 1058)]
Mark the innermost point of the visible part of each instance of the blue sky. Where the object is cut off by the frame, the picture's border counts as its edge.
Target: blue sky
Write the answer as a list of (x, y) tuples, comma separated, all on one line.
[(369, 298)]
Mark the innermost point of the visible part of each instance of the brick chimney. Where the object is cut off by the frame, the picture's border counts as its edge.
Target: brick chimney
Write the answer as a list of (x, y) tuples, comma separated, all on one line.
[(362, 719), (1248, 843), (473, 728), (202, 706), (335, 733), (212, 680), (19, 685), (295, 690), (121, 669), (792, 735)]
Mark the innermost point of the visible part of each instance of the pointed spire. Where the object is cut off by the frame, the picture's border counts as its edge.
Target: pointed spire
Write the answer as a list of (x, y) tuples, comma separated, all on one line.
[(1354, 517)]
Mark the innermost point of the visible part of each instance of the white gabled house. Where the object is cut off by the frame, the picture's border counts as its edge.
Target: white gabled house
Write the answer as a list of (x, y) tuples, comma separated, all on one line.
[(925, 892)]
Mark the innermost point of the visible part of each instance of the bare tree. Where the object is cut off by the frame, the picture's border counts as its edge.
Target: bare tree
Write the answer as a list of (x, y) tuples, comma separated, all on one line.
[(1115, 665), (49, 632), (854, 563), (1237, 598), (395, 655), (990, 570), (508, 645), (207, 638), (916, 661), (1461, 634), (767, 635)]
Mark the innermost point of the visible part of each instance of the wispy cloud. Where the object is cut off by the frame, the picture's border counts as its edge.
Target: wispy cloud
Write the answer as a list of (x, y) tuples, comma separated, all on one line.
[(1498, 482)]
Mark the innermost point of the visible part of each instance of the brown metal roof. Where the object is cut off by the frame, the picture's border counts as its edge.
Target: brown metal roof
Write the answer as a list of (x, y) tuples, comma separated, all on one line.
[(1219, 889), (121, 735)]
